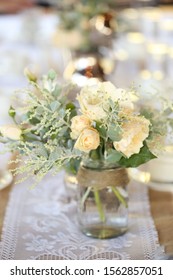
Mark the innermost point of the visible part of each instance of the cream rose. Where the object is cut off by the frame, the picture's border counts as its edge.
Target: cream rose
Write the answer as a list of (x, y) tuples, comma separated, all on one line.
[(93, 99), (88, 140), (135, 131), (78, 123), (122, 97), (11, 131)]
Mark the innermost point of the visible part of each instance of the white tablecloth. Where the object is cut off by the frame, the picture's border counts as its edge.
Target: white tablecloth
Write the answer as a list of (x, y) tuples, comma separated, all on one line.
[(41, 224)]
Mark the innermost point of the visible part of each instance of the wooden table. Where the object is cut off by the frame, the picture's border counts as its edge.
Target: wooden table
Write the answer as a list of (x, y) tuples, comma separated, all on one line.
[(162, 212)]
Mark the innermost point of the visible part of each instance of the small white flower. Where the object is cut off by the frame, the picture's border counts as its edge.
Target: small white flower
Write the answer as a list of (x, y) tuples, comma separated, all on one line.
[(11, 131)]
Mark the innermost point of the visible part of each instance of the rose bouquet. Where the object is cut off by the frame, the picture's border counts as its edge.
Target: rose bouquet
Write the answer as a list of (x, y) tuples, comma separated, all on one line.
[(98, 135), (103, 123), (109, 125)]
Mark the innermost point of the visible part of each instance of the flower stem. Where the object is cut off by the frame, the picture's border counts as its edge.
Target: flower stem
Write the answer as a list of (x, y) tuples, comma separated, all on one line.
[(119, 196), (99, 205), (85, 196)]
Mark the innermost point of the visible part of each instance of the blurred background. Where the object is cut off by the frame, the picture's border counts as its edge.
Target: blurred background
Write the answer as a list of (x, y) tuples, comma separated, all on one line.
[(125, 41), (122, 41)]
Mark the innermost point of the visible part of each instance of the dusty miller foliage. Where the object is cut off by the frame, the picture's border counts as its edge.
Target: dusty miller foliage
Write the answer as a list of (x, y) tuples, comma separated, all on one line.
[(45, 123)]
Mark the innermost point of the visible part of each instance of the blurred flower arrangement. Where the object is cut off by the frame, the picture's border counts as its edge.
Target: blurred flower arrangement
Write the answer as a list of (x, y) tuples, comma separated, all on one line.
[(102, 124), (85, 25)]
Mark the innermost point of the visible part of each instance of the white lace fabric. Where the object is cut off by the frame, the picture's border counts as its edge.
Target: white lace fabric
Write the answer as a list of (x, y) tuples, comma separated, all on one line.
[(41, 224)]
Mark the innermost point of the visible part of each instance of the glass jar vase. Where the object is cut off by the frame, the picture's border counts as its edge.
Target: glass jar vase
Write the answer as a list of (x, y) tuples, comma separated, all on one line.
[(102, 201), (70, 182)]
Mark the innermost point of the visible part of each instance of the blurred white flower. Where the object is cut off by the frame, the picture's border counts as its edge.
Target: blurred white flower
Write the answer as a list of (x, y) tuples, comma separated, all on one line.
[(11, 131)]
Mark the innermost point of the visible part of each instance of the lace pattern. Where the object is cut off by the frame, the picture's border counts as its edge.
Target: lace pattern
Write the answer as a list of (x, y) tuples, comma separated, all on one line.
[(41, 224)]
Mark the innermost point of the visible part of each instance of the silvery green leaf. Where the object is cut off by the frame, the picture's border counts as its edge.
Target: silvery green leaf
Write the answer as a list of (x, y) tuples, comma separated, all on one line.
[(55, 105), (61, 113), (63, 131), (55, 154), (40, 110), (41, 150), (114, 132), (101, 129), (70, 143), (56, 92), (113, 156)]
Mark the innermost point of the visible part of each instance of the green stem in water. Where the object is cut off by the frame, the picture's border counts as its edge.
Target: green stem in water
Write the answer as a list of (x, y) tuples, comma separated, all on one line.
[(119, 196), (85, 196), (99, 205)]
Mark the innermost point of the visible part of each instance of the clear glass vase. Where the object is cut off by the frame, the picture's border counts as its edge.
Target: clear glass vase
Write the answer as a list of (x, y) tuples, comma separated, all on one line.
[(102, 200), (70, 181), (70, 178)]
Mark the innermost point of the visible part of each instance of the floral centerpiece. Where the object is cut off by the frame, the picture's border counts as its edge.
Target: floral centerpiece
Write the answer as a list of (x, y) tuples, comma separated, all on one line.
[(81, 19), (86, 29), (103, 129)]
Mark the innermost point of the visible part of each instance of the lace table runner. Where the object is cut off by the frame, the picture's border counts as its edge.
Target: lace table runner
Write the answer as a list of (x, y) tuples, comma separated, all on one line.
[(41, 224)]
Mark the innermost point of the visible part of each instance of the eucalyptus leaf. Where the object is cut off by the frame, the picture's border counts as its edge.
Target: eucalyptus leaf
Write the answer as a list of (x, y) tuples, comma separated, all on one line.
[(57, 90), (55, 154), (41, 150), (101, 129), (63, 131), (113, 156), (33, 120), (39, 110), (55, 105), (114, 132)]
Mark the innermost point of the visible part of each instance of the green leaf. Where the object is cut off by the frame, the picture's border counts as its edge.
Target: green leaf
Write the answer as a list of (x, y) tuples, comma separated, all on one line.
[(34, 121), (113, 156), (29, 136), (137, 159), (101, 129), (62, 131), (56, 92), (95, 154), (41, 150), (55, 105), (72, 166), (114, 132)]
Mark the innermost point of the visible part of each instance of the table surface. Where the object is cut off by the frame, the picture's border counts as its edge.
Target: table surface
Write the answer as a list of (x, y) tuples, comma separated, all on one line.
[(161, 207), (42, 223), (161, 204)]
